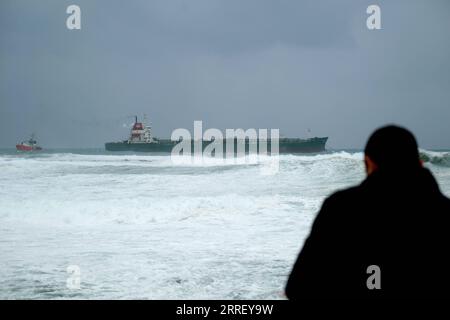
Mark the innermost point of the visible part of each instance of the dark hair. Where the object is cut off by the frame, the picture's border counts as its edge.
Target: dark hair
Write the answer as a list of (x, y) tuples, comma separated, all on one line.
[(393, 147)]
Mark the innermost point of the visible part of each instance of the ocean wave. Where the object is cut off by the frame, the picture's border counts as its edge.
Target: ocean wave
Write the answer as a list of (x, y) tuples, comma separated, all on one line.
[(114, 187), (437, 158)]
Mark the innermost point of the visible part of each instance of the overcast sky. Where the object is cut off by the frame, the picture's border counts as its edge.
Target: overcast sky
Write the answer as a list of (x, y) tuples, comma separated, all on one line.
[(291, 65)]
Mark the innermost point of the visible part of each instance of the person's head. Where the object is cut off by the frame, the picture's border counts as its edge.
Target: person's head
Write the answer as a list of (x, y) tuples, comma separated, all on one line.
[(391, 148)]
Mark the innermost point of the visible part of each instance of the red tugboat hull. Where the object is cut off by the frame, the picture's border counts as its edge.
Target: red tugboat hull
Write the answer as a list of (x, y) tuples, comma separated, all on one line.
[(21, 147)]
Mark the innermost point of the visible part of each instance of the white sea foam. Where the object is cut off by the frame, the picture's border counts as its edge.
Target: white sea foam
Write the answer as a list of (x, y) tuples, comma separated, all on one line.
[(139, 226)]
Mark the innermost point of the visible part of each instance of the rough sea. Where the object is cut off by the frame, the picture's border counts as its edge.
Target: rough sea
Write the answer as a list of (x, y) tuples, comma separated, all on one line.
[(130, 226)]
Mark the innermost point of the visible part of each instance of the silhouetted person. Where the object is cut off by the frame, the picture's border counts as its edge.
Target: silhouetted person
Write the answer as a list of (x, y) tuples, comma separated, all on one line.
[(396, 219)]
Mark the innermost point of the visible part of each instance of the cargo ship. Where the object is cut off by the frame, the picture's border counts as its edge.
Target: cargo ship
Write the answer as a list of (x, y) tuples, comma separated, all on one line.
[(141, 140), (30, 145)]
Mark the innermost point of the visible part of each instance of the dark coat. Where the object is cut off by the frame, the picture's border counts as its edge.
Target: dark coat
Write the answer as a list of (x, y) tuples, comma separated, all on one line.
[(396, 221)]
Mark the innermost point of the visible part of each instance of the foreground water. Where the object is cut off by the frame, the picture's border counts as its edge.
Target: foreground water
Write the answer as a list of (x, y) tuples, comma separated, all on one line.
[(140, 227)]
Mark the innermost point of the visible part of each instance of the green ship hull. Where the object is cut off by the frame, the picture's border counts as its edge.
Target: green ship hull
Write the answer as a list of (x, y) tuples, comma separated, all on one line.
[(286, 145)]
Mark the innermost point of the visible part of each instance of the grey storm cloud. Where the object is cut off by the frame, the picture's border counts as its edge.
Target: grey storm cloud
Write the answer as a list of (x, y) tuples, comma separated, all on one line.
[(291, 65)]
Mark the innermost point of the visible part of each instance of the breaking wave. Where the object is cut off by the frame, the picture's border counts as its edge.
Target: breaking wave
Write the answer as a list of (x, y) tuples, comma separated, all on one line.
[(436, 158)]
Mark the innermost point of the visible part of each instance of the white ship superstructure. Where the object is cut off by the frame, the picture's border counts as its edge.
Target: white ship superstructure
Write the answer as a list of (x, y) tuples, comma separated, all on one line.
[(140, 132)]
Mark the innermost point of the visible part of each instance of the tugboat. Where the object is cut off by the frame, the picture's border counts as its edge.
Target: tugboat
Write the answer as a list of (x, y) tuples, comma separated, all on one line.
[(141, 140), (30, 145)]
